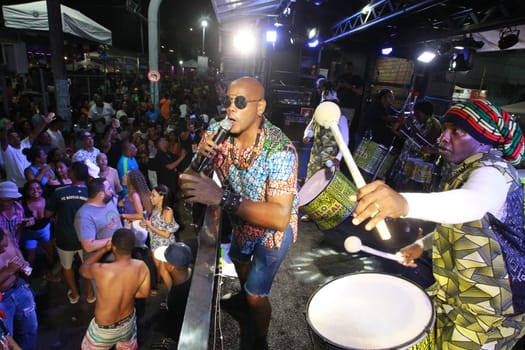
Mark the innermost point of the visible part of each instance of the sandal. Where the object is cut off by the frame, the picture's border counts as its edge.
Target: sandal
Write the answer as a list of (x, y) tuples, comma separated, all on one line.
[(91, 300), (70, 297)]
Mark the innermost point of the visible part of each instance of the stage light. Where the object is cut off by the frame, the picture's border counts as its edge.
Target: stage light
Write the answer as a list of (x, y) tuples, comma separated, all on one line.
[(385, 51), (461, 61), (426, 56), (468, 43), (508, 38), (244, 41), (313, 33), (271, 36), (313, 43)]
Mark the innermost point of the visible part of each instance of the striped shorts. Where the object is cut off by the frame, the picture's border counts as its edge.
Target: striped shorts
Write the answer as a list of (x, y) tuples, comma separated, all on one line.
[(122, 334)]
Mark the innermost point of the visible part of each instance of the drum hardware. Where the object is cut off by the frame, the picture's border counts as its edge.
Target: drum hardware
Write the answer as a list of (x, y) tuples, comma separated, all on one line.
[(436, 174), (419, 136), (422, 138), (369, 155), (380, 166), (407, 136), (419, 171)]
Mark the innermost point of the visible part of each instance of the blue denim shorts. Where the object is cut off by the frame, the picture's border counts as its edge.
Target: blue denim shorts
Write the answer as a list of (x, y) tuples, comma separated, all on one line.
[(29, 239), (264, 264)]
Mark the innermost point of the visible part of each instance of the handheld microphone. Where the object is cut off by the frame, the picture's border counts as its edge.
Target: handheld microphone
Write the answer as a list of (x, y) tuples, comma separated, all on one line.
[(200, 162)]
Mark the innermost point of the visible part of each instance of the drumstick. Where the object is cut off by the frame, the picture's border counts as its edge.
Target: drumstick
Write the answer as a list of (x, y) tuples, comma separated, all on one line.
[(327, 115), (353, 245), (410, 138)]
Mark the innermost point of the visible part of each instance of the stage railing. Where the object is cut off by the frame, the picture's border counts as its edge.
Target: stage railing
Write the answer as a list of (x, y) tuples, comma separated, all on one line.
[(198, 315)]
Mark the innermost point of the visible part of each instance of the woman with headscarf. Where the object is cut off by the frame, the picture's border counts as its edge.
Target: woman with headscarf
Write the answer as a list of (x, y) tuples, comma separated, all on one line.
[(478, 245)]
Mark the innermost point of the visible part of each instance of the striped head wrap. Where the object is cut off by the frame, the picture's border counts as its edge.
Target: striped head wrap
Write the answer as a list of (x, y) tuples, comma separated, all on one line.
[(489, 124)]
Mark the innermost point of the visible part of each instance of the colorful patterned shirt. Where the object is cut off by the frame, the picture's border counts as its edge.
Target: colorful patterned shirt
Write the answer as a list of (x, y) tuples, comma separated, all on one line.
[(479, 266), (271, 171)]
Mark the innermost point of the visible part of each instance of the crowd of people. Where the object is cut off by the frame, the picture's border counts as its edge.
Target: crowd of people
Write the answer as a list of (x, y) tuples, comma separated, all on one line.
[(103, 194)]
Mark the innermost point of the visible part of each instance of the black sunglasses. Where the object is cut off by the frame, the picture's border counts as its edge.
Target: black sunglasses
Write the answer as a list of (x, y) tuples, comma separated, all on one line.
[(240, 101)]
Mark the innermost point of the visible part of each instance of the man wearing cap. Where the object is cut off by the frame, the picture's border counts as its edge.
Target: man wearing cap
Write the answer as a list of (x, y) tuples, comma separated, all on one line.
[(11, 211), (15, 161), (88, 150), (178, 259), (17, 300), (118, 284), (478, 247)]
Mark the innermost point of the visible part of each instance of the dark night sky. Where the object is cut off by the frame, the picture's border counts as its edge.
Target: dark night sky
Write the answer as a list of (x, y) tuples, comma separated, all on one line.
[(176, 17)]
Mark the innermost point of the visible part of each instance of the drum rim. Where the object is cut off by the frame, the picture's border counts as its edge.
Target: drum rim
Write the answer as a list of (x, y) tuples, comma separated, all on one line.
[(427, 329), (328, 183)]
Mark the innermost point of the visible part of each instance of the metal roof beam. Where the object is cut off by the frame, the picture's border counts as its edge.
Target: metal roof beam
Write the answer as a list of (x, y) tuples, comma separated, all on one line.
[(380, 11)]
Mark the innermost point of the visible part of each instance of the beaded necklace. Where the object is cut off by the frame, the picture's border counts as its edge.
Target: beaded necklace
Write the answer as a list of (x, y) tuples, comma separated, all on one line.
[(243, 163)]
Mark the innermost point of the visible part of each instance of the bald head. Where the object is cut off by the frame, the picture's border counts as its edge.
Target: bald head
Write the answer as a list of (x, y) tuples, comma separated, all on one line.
[(250, 84), (246, 107)]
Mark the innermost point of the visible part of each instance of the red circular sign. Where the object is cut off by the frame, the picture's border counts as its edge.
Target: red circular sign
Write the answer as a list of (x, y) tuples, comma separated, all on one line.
[(153, 75)]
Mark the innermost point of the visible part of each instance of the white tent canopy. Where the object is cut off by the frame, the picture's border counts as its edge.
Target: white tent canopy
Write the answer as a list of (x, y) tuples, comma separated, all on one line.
[(33, 16)]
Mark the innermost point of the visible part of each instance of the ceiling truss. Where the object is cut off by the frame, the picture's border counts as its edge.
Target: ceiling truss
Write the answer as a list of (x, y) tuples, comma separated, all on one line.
[(462, 21)]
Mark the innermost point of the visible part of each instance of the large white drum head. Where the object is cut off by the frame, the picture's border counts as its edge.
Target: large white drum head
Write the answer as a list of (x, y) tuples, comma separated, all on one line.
[(370, 311), (315, 185)]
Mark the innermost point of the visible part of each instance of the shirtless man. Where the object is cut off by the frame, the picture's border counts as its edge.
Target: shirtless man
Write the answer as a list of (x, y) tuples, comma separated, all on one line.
[(17, 301), (118, 284)]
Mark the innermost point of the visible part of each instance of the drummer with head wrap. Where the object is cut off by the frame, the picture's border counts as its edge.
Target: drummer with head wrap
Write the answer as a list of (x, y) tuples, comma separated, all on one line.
[(478, 247)]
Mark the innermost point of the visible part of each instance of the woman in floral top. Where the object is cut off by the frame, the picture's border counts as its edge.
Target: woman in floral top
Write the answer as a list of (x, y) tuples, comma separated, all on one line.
[(161, 227)]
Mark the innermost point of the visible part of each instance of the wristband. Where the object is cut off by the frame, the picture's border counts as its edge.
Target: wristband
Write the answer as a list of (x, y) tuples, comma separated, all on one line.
[(233, 204), (230, 202), (225, 196)]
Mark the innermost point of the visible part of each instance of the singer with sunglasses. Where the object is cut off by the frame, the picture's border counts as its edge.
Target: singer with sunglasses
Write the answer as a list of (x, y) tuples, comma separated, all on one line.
[(257, 165)]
